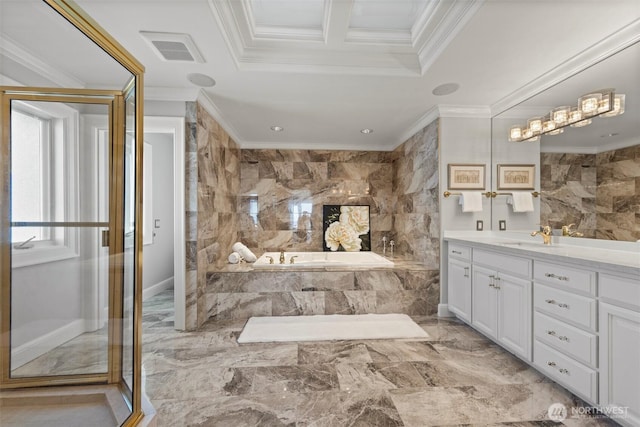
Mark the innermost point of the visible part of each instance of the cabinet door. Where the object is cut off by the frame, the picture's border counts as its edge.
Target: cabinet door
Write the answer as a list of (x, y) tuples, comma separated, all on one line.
[(514, 314), (483, 307), (459, 288), (619, 361)]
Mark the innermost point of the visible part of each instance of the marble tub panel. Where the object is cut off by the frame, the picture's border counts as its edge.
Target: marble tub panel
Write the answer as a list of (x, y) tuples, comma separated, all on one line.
[(327, 280), (407, 302), (419, 280), (379, 280), (297, 303), (238, 305), (219, 282), (272, 281), (350, 302)]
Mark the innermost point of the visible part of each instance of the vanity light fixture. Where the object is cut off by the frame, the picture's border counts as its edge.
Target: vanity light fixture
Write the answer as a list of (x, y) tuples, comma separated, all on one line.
[(605, 103)]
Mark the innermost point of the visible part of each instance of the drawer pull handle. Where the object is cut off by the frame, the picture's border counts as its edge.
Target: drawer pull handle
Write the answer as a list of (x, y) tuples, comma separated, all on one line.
[(551, 363), (564, 371), (561, 337), (553, 276), (456, 252), (559, 304)]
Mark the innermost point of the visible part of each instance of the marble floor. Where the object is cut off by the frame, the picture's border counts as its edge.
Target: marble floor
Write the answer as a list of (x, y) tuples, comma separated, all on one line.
[(455, 377)]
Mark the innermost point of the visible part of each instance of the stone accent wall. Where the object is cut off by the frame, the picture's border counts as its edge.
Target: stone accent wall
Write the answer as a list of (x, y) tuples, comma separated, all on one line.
[(278, 186), (416, 197), (568, 187), (411, 289), (191, 217), (618, 194), (600, 193)]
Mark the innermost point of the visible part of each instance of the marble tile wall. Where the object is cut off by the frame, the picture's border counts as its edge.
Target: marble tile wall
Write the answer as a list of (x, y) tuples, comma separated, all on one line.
[(600, 193), (191, 217), (568, 187), (415, 188), (618, 194), (280, 187)]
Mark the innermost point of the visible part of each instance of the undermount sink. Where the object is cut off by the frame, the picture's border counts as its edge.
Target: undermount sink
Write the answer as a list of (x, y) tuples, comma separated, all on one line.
[(536, 245)]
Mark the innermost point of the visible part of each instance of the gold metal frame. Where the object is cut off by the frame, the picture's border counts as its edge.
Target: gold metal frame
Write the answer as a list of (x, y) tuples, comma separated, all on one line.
[(90, 28)]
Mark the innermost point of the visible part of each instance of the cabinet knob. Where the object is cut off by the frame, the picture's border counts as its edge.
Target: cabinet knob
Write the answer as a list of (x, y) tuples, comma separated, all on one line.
[(551, 363), (552, 333), (564, 371)]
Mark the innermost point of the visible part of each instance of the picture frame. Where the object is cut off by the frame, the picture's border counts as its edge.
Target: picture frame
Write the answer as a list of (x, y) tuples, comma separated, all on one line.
[(516, 177), (466, 176), (346, 228)]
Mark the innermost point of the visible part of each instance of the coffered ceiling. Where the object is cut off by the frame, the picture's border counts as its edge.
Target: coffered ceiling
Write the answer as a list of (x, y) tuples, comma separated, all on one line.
[(321, 69)]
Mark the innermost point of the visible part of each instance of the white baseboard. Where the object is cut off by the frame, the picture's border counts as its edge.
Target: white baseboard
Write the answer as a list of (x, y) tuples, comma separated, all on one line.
[(45, 343), (157, 288), (443, 311)]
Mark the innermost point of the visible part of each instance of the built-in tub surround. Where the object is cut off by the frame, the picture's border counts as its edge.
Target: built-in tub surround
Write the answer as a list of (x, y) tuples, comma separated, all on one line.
[(240, 291), (600, 193)]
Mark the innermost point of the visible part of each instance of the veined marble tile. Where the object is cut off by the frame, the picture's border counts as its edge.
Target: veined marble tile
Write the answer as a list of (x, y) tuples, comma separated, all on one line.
[(297, 303), (350, 302), (294, 379), (407, 302), (355, 376), (327, 281), (333, 353), (197, 383), (379, 280), (355, 408), (401, 351), (238, 305)]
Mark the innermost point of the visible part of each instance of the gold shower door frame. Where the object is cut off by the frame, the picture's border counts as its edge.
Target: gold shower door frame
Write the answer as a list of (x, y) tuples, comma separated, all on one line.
[(115, 102)]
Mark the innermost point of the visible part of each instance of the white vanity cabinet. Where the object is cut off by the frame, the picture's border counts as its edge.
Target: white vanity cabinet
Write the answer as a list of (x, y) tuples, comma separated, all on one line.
[(501, 299), (565, 326), (619, 321), (459, 281)]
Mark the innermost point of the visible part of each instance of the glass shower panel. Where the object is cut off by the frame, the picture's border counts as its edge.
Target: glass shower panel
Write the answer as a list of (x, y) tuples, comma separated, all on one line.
[(59, 198), (130, 171)]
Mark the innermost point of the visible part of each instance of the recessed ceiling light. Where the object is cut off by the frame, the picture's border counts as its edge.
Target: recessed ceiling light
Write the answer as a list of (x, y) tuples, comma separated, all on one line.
[(445, 89), (277, 128), (366, 131), (609, 135), (201, 80)]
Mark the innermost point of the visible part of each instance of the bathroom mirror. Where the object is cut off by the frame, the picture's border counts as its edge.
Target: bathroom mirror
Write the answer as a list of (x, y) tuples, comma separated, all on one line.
[(588, 175)]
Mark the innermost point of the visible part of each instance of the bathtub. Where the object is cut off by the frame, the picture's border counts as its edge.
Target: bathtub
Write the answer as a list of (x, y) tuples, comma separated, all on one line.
[(323, 259)]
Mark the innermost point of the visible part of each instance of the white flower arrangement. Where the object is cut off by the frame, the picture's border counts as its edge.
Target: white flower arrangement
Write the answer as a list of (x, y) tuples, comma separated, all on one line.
[(353, 222)]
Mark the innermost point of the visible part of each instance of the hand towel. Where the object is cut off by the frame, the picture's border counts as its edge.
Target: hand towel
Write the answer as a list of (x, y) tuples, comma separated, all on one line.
[(234, 258), (244, 252), (471, 201), (522, 201)]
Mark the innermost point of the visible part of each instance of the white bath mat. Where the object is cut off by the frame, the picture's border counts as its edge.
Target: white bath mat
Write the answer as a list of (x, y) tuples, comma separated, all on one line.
[(330, 327)]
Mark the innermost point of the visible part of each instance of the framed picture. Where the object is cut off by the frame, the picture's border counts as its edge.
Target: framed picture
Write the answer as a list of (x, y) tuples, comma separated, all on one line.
[(466, 177), (516, 177), (346, 228)]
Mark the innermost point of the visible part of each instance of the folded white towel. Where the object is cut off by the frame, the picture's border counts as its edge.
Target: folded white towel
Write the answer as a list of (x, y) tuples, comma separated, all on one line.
[(244, 252), (234, 258), (522, 201), (471, 201)]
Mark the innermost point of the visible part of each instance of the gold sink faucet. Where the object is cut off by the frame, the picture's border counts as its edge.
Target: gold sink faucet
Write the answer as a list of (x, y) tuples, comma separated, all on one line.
[(545, 233), (568, 232), (282, 257)]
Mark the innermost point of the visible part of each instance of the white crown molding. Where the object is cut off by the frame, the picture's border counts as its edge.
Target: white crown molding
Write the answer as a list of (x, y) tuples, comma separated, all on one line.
[(257, 145), (603, 148), (20, 55), (465, 111), (8, 81), (603, 49), (208, 104), (229, 28), (445, 30), (420, 124), (156, 93)]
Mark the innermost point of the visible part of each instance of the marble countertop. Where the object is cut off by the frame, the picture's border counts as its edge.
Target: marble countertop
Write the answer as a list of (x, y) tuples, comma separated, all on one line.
[(621, 257)]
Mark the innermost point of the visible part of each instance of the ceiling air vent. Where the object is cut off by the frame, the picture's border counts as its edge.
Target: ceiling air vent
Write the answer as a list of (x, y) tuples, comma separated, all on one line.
[(173, 46)]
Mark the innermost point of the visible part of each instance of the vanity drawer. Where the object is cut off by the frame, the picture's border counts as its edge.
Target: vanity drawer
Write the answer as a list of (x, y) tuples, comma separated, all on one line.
[(574, 308), (574, 278), (575, 342), (460, 252), (566, 371), (503, 263), (620, 289)]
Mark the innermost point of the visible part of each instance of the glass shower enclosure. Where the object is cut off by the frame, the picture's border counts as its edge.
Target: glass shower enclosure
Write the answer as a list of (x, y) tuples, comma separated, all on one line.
[(71, 239)]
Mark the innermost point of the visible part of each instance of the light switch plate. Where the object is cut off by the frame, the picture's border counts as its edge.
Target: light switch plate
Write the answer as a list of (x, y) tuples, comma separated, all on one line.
[(502, 225), (479, 225)]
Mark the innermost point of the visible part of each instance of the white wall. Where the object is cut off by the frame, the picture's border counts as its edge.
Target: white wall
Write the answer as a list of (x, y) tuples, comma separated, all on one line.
[(158, 256), (505, 152)]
